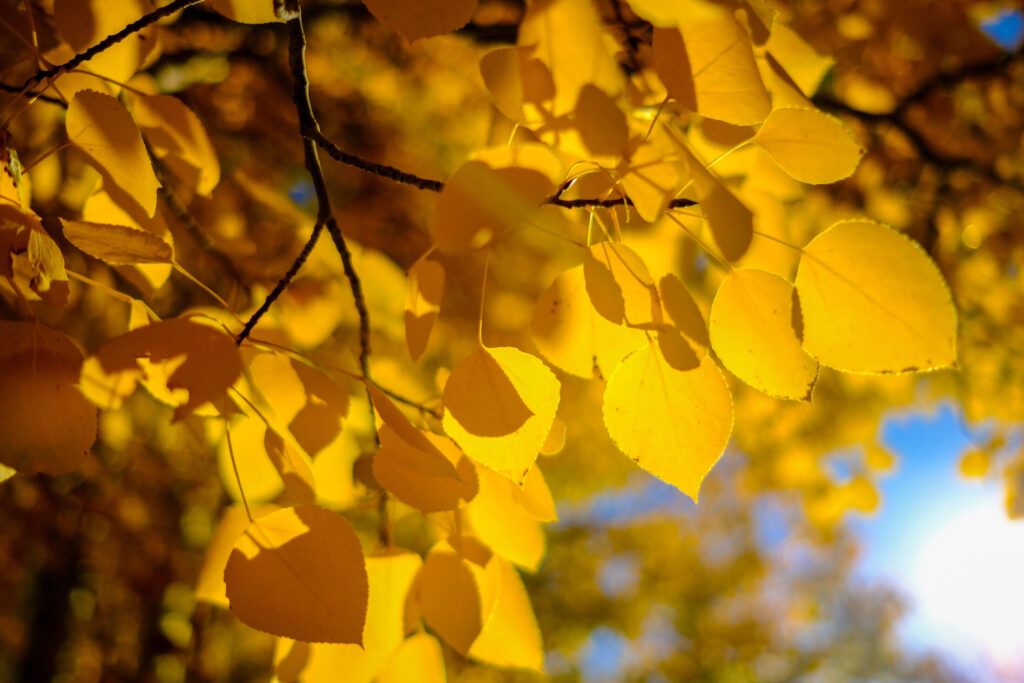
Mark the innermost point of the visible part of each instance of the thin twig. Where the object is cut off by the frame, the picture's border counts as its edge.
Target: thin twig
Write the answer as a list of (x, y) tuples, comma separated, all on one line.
[(109, 41), (7, 87), (282, 283)]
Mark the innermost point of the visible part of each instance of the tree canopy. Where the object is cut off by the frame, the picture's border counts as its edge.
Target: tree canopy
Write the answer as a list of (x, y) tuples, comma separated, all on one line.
[(403, 281)]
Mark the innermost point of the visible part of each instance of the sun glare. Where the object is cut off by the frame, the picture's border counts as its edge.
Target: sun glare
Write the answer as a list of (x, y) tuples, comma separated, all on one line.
[(967, 583)]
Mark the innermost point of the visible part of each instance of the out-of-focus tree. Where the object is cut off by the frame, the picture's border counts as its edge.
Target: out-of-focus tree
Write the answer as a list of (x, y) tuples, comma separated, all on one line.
[(664, 201)]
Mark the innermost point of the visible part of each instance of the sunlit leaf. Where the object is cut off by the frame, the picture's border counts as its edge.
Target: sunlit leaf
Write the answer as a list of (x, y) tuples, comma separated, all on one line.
[(675, 424), (117, 244), (501, 522), (752, 333), (457, 592), (530, 382), (708, 66), (511, 636), (299, 573), (810, 146), (30, 257), (210, 586), (801, 62), (83, 23), (731, 222), (482, 399), (418, 660), (104, 131), (871, 300), (178, 136), (293, 468), (424, 479), (619, 284)]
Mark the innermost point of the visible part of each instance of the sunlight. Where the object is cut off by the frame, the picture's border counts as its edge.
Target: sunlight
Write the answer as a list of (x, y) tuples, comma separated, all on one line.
[(967, 582)]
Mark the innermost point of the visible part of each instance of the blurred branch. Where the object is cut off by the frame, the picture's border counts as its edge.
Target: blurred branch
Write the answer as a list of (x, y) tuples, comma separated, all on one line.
[(108, 42)]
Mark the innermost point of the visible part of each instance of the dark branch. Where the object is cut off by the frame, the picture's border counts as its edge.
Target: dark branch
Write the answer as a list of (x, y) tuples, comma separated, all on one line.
[(109, 41), (381, 170), (7, 87)]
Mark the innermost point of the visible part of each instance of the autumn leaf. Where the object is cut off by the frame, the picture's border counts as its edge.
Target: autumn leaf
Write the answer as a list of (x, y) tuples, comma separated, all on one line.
[(872, 301), (810, 146), (118, 245), (421, 19), (312, 558)]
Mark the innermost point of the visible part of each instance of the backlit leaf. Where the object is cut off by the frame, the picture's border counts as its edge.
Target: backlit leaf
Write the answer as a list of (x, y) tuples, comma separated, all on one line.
[(102, 128), (299, 573), (501, 522), (117, 244), (572, 335), (675, 424), (247, 11), (46, 424), (210, 362), (83, 23), (809, 145), (416, 19), (511, 636), (210, 586), (530, 383), (426, 287), (482, 399), (731, 222), (424, 479), (293, 468), (871, 300), (801, 62), (619, 284), (178, 137), (418, 660), (708, 66), (752, 333)]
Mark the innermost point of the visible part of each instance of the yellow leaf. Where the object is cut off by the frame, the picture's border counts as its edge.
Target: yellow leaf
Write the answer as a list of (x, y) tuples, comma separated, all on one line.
[(418, 660), (674, 424), (46, 424), (530, 381), (809, 145), (30, 257), (800, 61), (482, 399), (456, 594), (247, 11), (708, 66), (535, 497), (649, 181), (665, 13), (679, 310), (600, 122), (871, 300), (319, 420), (261, 480), (424, 479), (619, 285), (293, 468), (975, 463), (569, 39), (210, 586), (417, 19), (391, 577), (480, 203), (103, 129), (555, 440), (572, 335), (511, 637), (177, 136), (515, 78), (731, 223), (211, 361), (752, 333), (299, 573), (426, 287), (117, 244), (500, 521), (83, 23)]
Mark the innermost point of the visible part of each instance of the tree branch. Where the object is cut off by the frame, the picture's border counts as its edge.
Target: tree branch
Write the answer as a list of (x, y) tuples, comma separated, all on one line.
[(108, 42)]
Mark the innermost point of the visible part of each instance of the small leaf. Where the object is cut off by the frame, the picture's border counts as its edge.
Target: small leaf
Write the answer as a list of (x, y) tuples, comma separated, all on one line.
[(649, 180), (423, 479), (210, 586), (515, 78), (118, 245), (103, 129), (731, 222), (299, 573), (417, 19), (426, 288), (871, 300), (752, 333), (293, 468), (674, 424), (502, 523), (536, 388), (600, 122), (619, 285), (46, 424), (809, 145)]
